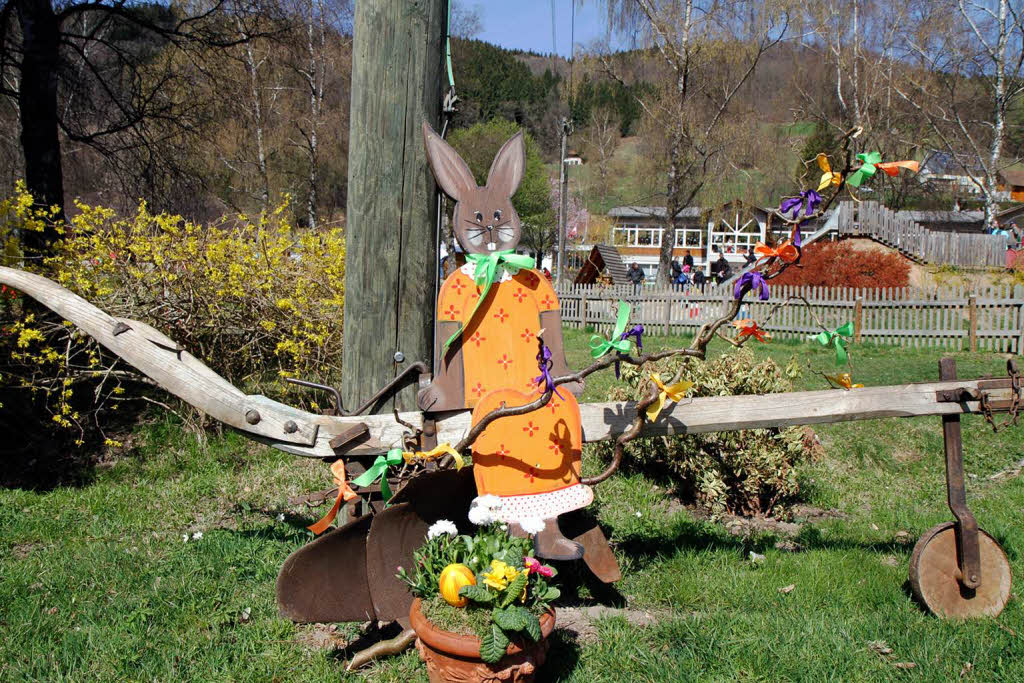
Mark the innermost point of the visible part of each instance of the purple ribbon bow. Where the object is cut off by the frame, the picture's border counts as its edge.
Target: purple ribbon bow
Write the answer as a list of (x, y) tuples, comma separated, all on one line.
[(808, 198), (797, 238), (544, 363), (751, 280), (637, 331)]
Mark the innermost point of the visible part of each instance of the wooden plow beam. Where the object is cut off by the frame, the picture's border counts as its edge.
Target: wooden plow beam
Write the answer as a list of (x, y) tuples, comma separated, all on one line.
[(604, 421), (325, 436)]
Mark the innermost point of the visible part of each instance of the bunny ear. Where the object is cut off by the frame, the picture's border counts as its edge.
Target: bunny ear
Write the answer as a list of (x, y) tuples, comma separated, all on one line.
[(451, 172), (507, 170)]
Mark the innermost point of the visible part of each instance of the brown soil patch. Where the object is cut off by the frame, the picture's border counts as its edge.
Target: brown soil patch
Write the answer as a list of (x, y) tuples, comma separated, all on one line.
[(22, 550), (809, 513), (580, 620), (905, 455), (742, 526), (322, 637)]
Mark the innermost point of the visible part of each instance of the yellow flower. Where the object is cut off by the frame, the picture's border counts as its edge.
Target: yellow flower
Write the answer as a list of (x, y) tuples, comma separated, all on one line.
[(497, 578), (500, 576)]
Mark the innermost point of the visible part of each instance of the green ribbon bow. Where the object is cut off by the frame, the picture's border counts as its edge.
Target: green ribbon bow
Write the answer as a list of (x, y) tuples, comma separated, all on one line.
[(488, 267), (379, 468), (600, 346), (866, 170), (837, 341)]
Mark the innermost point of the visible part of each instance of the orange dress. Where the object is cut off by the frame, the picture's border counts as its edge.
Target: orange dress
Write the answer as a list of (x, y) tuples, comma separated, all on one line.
[(531, 461)]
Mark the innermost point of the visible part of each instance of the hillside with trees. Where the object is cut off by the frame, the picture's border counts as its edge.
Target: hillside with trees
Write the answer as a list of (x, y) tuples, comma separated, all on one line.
[(235, 108)]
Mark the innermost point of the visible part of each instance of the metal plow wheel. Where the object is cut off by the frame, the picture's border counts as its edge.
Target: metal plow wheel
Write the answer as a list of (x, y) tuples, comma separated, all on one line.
[(349, 573), (936, 581)]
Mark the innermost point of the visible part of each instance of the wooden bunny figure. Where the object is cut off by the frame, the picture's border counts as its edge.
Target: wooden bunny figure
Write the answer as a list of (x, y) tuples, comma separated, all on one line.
[(489, 313)]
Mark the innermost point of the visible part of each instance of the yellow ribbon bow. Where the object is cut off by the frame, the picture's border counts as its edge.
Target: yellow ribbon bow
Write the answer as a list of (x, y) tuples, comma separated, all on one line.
[(673, 391), (828, 176), (434, 453), (844, 380), (345, 493)]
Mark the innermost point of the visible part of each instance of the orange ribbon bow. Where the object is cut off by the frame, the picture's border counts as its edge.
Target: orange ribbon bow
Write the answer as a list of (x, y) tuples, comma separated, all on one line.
[(844, 380), (749, 328), (785, 251), (345, 493), (892, 168)]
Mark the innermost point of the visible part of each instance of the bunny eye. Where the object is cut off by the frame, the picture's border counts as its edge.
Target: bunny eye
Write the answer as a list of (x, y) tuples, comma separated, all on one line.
[(497, 215), (479, 216)]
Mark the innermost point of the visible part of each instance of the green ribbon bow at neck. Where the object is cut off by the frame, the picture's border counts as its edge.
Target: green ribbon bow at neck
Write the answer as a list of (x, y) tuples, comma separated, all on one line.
[(866, 170), (379, 468), (600, 346), (488, 268), (837, 340)]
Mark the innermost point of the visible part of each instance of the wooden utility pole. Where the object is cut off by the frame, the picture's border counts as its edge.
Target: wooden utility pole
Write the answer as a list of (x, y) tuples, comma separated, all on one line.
[(563, 205), (391, 262)]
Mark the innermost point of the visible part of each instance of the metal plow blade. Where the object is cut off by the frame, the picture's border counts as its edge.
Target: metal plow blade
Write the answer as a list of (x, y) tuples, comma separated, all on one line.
[(349, 573)]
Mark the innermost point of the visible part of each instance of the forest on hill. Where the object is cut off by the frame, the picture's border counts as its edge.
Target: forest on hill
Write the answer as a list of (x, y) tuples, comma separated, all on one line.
[(233, 109)]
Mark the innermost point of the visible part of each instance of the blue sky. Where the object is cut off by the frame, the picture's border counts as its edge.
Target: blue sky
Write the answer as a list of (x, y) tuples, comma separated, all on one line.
[(526, 24)]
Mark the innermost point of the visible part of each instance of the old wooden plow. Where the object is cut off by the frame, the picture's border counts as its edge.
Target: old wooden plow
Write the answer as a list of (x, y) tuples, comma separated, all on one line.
[(956, 570)]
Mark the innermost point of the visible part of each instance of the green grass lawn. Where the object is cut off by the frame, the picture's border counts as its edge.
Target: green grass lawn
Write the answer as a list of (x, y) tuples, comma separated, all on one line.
[(99, 583)]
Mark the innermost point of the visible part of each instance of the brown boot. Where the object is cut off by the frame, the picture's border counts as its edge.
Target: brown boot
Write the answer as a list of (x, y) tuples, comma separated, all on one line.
[(552, 545)]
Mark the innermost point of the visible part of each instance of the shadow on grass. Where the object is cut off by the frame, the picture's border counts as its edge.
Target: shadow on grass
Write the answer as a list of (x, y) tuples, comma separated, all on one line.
[(700, 535), (39, 455), (563, 656), (374, 636), (294, 532)]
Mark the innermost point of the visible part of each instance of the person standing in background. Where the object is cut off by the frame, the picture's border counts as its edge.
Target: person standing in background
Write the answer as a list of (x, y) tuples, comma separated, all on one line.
[(636, 276)]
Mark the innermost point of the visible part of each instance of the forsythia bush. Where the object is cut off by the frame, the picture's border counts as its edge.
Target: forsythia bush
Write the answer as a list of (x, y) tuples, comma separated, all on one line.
[(254, 298), (744, 473)]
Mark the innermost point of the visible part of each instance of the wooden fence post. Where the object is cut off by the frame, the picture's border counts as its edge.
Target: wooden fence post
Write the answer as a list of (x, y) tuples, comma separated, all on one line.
[(583, 311), (668, 313), (858, 318), (972, 315)]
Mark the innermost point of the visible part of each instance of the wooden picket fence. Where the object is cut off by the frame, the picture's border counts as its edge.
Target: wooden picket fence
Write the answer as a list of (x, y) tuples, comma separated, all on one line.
[(958, 318), (967, 249)]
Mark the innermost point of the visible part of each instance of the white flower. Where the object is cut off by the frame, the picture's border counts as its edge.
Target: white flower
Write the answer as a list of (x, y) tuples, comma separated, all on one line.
[(639, 514), (280, 517), (532, 525), (184, 538), (484, 510), (442, 526), (197, 535)]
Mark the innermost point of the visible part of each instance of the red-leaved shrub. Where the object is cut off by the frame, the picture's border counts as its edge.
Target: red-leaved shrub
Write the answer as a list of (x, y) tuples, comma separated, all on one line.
[(839, 264)]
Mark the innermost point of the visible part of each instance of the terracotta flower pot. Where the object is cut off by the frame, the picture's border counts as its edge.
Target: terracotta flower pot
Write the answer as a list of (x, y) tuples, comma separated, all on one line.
[(454, 657)]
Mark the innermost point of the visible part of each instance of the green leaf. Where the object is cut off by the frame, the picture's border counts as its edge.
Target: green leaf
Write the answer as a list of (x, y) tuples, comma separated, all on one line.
[(493, 644), (511, 619), (514, 590), (550, 594), (532, 627), (477, 593)]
